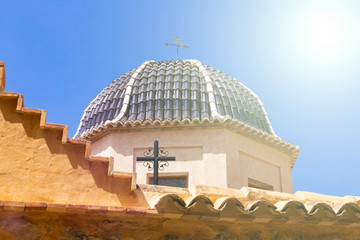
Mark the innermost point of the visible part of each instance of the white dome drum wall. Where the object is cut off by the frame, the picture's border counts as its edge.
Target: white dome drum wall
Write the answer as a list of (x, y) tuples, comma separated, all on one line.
[(191, 109)]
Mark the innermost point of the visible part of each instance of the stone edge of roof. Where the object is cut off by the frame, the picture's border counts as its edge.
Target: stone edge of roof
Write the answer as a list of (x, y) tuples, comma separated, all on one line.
[(287, 208)]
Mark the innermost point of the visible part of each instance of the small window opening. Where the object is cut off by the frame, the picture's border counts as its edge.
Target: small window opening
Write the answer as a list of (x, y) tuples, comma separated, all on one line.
[(260, 185), (171, 181)]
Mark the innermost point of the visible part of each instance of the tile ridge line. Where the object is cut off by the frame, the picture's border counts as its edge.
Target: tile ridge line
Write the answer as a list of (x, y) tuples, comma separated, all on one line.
[(128, 91), (209, 89)]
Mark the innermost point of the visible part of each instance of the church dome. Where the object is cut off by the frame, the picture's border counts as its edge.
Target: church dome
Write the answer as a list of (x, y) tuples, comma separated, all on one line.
[(174, 91)]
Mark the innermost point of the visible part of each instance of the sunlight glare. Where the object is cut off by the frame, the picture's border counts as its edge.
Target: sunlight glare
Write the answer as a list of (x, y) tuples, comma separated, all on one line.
[(324, 34)]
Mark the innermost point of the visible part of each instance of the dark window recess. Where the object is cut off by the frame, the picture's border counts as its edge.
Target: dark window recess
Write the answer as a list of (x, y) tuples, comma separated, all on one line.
[(260, 185), (171, 181)]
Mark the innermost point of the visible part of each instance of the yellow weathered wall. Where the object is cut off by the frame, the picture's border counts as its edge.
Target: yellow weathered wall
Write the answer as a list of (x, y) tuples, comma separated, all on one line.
[(35, 166), (47, 225)]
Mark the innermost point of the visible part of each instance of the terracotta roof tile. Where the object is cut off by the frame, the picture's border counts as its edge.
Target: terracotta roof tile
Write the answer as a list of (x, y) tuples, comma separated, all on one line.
[(337, 211), (94, 209), (14, 206), (35, 206)]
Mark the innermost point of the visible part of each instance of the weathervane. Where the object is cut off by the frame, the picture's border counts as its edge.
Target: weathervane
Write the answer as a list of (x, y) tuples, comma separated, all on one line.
[(179, 44)]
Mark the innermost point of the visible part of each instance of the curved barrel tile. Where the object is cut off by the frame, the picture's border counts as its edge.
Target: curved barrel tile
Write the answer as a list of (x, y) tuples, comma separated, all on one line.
[(348, 213), (200, 204), (291, 207), (262, 211), (231, 208), (320, 212), (170, 204), (293, 211)]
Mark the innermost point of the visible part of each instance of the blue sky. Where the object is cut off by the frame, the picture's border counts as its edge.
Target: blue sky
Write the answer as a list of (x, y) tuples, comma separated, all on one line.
[(300, 57)]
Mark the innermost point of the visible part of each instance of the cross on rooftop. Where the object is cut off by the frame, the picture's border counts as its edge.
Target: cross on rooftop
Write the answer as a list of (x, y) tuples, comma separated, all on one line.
[(159, 158)]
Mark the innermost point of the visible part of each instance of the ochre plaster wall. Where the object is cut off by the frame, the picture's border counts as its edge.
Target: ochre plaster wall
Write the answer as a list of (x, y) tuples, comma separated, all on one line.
[(32, 226), (35, 166)]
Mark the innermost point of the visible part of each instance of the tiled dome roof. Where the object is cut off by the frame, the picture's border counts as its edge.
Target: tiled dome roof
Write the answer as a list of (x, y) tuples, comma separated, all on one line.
[(174, 90)]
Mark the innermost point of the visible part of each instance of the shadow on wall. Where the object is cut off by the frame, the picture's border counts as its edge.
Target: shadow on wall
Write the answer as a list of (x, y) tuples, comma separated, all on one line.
[(36, 157)]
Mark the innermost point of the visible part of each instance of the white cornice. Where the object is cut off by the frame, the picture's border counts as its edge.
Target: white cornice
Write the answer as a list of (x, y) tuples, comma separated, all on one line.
[(209, 89)]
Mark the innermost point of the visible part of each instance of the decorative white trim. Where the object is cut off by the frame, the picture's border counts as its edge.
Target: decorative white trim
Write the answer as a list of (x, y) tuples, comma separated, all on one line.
[(128, 91), (209, 89), (233, 124)]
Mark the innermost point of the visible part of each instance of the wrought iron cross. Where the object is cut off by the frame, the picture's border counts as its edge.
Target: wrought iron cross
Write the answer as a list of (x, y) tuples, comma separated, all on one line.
[(159, 157)]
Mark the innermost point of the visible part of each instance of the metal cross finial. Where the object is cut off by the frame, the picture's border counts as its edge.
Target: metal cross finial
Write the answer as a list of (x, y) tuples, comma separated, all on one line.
[(179, 44), (159, 158)]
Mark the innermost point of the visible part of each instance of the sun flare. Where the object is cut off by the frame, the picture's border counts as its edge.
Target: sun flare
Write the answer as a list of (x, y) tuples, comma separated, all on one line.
[(324, 34)]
